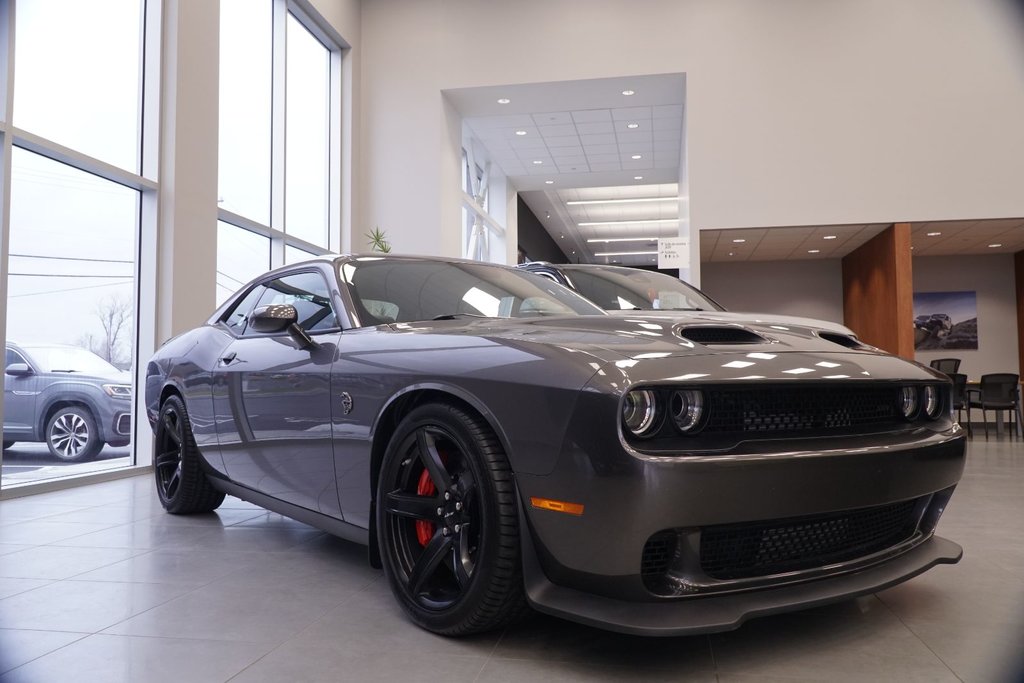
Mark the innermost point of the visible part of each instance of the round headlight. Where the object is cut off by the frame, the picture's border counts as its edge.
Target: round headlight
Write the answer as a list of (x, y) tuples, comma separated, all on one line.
[(932, 402), (639, 410), (687, 407), (908, 402)]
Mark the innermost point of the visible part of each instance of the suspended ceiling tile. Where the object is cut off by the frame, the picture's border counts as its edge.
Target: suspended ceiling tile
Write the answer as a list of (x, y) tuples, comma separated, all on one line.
[(592, 115)]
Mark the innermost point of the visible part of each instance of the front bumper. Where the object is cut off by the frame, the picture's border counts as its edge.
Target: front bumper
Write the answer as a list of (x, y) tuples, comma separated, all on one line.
[(710, 614)]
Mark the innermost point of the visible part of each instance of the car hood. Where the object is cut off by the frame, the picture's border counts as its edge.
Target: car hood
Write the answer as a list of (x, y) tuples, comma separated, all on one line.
[(119, 377), (743, 318), (611, 338)]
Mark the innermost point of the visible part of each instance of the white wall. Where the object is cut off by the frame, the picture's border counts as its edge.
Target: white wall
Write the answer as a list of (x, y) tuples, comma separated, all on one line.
[(808, 288), (798, 112), (992, 278)]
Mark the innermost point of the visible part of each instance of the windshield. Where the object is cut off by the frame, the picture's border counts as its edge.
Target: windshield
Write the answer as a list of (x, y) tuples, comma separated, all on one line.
[(625, 289), (70, 359), (401, 290)]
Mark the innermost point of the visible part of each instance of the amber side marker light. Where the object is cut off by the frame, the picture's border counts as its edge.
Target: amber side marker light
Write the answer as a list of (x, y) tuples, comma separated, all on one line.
[(557, 506)]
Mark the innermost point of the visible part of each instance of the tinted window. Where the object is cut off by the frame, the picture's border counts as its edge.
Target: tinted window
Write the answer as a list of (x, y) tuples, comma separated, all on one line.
[(236, 318), (616, 289), (388, 291), (14, 357), (308, 293)]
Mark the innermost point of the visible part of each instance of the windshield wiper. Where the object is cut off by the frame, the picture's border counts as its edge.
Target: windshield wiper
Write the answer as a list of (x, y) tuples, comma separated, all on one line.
[(453, 316), (63, 370), (682, 309)]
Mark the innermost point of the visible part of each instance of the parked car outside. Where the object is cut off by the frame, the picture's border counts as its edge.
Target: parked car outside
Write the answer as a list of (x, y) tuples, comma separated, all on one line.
[(500, 444), (621, 291), (67, 397)]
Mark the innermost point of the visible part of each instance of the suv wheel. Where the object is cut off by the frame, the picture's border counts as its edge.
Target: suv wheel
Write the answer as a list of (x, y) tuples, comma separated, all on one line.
[(72, 436)]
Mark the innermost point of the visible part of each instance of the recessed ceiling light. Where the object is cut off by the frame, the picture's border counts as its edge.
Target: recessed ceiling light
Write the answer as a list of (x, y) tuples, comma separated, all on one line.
[(549, 182), (995, 245), (563, 237), (814, 251), (638, 177), (829, 237), (520, 132), (933, 234), (637, 156), (622, 201), (739, 241), (537, 162), (627, 93), (504, 100), (632, 126), (625, 253), (730, 253)]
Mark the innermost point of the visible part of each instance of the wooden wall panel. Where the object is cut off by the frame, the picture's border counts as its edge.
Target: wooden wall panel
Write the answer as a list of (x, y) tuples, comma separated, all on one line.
[(1018, 272), (878, 291)]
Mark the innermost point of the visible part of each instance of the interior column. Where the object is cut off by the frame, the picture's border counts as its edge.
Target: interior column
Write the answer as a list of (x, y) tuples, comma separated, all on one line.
[(878, 291)]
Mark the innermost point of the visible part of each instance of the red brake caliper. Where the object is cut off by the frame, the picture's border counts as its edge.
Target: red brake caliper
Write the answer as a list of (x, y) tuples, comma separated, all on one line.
[(425, 529)]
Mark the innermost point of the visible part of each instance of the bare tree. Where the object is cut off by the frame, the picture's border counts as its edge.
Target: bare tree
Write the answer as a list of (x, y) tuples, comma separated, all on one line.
[(114, 346)]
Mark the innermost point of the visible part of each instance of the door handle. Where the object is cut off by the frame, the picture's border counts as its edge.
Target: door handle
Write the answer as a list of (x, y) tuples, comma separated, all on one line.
[(226, 360)]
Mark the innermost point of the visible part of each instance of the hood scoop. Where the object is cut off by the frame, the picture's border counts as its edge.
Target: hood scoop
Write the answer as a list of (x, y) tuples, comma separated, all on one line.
[(710, 335), (843, 340)]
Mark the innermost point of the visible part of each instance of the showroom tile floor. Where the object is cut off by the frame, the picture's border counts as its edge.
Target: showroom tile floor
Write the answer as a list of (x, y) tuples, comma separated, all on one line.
[(98, 584)]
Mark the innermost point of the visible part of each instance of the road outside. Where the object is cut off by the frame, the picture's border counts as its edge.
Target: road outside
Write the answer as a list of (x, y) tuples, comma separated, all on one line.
[(27, 462)]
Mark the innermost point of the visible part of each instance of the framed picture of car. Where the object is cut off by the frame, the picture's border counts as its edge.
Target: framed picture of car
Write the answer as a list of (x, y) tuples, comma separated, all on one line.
[(945, 320)]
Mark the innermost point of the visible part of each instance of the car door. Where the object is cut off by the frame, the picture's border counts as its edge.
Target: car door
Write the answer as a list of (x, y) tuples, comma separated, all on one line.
[(21, 393), (272, 398)]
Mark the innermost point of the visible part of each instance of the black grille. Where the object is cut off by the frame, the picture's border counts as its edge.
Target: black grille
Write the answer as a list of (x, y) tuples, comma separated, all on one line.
[(124, 424), (720, 335), (799, 408), (658, 552), (735, 551)]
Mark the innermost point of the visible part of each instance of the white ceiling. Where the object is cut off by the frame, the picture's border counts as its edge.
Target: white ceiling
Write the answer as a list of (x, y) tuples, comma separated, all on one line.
[(790, 243)]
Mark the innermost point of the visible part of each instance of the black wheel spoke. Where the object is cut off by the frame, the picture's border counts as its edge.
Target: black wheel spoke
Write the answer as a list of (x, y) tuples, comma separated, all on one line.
[(427, 446), (172, 483), (430, 559), (171, 429), (168, 458), (460, 558), (409, 505)]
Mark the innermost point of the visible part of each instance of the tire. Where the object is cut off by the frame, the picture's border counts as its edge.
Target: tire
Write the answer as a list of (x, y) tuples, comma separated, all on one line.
[(72, 436), (181, 484), (8, 444), (460, 571)]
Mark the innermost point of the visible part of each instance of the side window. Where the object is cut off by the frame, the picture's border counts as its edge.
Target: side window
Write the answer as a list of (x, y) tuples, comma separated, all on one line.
[(13, 357), (236, 319), (308, 293)]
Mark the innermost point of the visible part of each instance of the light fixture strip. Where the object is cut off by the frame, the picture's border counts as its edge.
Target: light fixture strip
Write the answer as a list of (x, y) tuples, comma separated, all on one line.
[(625, 253), (653, 220), (622, 201), (622, 239)]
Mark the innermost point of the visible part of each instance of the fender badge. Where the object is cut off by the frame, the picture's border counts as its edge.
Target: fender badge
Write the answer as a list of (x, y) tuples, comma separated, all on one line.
[(346, 402)]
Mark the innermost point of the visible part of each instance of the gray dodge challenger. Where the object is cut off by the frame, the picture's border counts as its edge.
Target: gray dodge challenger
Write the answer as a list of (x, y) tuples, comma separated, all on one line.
[(500, 444)]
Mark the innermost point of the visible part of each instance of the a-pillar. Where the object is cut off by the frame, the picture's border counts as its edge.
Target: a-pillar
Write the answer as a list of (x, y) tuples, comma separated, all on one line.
[(878, 291)]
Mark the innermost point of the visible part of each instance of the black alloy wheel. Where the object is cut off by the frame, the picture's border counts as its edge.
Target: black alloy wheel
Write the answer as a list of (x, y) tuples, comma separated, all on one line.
[(181, 484), (448, 524)]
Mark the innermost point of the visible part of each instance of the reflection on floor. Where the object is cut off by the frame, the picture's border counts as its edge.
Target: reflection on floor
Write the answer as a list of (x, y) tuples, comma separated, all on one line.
[(98, 584)]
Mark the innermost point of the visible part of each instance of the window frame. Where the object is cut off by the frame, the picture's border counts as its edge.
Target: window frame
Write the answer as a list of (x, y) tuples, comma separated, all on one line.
[(276, 229), (143, 179)]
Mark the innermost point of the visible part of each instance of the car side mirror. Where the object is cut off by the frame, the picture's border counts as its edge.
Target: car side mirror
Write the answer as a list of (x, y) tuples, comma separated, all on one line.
[(280, 317), (19, 370), (274, 318)]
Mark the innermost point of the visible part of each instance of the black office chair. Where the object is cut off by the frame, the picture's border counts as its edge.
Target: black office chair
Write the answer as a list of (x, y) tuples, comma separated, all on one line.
[(959, 397), (946, 365), (998, 391)]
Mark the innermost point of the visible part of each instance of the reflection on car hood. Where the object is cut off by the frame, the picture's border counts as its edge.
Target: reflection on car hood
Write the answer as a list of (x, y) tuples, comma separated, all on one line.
[(612, 338), (119, 377), (742, 318)]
